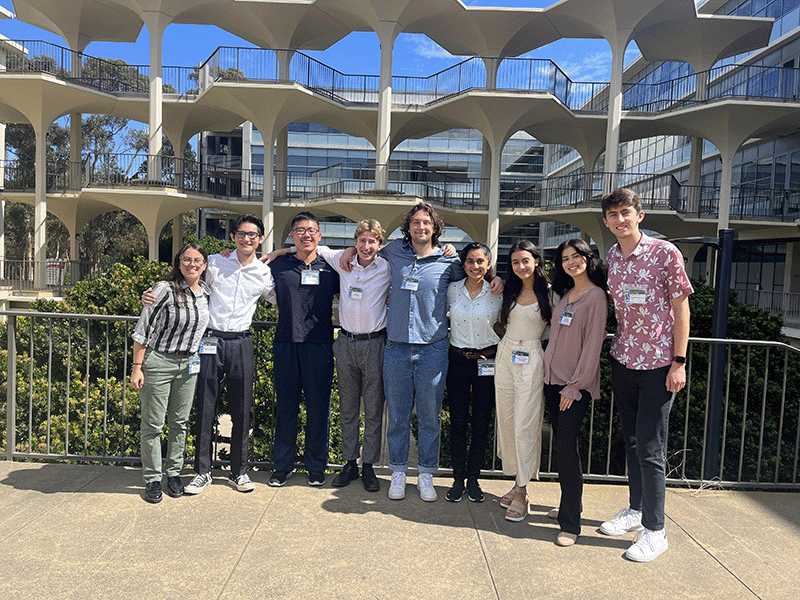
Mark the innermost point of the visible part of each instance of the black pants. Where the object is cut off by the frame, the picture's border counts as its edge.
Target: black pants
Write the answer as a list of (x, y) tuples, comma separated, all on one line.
[(644, 405), (234, 359), (308, 368), (471, 400), (566, 429)]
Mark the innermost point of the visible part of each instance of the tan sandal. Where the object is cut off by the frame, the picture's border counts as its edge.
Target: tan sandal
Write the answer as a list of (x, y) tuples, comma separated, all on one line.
[(518, 509), (506, 500), (566, 539)]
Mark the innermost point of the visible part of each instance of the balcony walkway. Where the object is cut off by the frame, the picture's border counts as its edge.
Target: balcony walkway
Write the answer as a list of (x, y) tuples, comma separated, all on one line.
[(72, 531)]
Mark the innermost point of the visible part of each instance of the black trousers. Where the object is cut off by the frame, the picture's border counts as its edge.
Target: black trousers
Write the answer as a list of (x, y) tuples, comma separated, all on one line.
[(566, 429), (305, 368), (234, 359), (471, 400)]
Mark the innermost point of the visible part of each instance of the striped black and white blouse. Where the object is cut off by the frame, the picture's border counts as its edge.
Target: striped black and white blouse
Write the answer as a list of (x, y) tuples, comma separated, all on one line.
[(171, 323)]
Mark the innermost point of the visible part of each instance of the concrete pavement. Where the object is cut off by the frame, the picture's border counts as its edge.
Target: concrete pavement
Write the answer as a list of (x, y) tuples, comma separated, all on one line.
[(82, 531)]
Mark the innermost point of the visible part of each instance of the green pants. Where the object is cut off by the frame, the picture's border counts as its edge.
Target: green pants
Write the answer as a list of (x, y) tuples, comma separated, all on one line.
[(167, 393)]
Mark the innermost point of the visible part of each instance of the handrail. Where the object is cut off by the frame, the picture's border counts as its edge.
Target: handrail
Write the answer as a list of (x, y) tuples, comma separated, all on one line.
[(532, 75)]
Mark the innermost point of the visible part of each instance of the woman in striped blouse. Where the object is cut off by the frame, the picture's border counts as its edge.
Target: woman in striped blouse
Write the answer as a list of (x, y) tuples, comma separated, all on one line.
[(165, 366)]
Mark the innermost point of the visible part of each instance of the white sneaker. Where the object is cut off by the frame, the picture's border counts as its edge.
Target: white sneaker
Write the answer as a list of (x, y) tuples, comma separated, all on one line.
[(397, 489), (200, 482), (648, 545), (624, 521), (425, 487)]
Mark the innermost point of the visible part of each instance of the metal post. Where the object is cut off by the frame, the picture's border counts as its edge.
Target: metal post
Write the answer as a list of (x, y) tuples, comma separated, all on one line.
[(11, 389), (719, 329)]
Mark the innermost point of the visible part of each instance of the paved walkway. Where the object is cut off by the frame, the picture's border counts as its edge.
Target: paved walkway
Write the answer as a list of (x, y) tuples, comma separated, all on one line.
[(71, 531)]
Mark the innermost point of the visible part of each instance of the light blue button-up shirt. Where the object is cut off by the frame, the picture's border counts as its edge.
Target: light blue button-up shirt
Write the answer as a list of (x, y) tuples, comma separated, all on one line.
[(419, 316)]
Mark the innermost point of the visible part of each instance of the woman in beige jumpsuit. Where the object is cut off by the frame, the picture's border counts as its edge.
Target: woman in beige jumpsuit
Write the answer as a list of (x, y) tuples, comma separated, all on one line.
[(519, 374)]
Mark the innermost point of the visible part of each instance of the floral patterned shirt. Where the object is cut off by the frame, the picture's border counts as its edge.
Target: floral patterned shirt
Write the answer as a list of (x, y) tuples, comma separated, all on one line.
[(642, 287)]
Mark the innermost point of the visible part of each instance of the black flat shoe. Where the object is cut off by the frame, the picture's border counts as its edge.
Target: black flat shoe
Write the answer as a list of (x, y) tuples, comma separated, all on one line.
[(348, 473), (474, 490), (174, 486), (371, 483), (455, 493), (152, 492)]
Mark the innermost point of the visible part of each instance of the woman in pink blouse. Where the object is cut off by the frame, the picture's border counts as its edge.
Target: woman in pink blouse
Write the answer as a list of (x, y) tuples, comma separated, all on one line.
[(572, 369)]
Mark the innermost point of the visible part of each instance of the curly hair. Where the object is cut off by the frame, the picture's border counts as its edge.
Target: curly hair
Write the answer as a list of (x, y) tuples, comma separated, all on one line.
[(438, 222)]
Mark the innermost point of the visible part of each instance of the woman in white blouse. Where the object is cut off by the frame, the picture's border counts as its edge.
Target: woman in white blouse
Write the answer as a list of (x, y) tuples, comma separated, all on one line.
[(470, 374)]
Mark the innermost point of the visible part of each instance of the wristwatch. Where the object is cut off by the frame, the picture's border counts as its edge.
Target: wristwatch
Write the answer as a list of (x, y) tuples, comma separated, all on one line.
[(681, 360)]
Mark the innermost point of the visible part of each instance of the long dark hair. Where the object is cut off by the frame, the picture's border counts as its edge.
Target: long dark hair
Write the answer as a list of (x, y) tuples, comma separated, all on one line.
[(562, 280), (483, 248), (513, 284), (175, 276)]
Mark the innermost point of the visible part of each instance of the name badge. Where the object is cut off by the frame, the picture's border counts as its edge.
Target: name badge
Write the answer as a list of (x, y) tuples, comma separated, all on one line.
[(208, 345), (309, 277), (566, 318), (485, 368), (194, 366), (410, 283), (355, 293), (520, 356), (636, 295)]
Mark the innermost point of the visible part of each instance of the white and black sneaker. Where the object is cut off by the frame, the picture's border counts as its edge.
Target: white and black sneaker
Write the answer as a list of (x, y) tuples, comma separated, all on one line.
[(200, 482), (242, 483), (278, 478)]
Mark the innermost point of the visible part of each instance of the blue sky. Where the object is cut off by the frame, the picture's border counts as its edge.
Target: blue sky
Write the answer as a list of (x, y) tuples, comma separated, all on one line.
[(358, 53)]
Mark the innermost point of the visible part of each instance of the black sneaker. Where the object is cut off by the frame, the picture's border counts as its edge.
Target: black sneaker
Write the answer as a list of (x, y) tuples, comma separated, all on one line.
[(279, 478), (455, 493), (474, 490), (152, 492), (316, 478), (174, 486)]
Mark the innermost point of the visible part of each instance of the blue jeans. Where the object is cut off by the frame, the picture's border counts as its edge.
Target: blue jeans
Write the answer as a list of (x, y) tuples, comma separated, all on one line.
[(414, 374)]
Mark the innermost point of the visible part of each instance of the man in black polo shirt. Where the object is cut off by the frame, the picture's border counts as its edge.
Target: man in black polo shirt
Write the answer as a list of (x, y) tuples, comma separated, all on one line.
[(303, 354)]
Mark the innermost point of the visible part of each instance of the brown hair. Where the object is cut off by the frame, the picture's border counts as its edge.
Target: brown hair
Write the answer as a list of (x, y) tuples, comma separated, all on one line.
[(621, 197), (438, 222)]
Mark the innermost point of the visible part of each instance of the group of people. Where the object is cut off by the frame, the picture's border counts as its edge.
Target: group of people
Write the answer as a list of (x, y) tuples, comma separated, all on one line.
[(403, 352)]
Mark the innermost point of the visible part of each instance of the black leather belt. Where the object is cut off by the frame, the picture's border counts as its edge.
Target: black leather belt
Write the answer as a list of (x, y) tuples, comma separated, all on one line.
[(472, 354), (363, 336), (228, 335)]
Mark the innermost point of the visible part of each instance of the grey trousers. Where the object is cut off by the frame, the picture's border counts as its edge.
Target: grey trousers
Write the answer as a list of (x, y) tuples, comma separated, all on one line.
[(359, 368), (167, 393)]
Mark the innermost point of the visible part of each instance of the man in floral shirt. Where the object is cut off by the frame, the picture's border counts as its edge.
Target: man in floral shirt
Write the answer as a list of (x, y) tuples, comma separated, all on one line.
[(648, 283)]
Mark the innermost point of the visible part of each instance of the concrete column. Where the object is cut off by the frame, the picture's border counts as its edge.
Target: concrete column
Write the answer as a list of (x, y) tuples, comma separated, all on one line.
[(177, 234), (614, 112), (74, 249), (492, 66), (791, 275), (268, 199), (2, 202), (282, 164), (152, 245), (486, 168), (156, 24), (40, 204), (493, 226), (696, 157), (387, 33), (725, 187), (75, 134)]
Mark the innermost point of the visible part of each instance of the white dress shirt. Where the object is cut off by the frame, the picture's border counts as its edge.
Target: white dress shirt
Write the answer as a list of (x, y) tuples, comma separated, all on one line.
[(366, 314), (471, 320), (235, 290)]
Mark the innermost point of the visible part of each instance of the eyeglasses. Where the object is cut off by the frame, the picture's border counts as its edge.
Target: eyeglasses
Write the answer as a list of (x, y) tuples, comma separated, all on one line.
[(193, 261), (250, 235), (305, 230)]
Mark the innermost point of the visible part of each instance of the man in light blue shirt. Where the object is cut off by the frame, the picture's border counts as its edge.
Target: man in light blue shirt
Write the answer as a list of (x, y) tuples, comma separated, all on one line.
[(415, 359)]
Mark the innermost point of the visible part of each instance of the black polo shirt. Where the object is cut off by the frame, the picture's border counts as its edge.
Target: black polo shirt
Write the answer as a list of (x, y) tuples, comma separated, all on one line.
[(304, 311)]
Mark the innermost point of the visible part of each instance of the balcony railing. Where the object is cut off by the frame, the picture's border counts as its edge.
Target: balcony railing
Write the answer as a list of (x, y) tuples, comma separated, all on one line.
[(20, 275), (763, 204), (68, 399), (776, 303)]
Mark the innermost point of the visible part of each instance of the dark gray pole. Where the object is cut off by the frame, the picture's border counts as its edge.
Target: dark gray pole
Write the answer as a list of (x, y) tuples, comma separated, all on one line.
[(719, 329)]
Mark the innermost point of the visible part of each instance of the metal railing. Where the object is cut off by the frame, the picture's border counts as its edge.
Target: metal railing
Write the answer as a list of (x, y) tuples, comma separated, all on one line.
[(747, 202), (20, 275), (785, 304), (68, 399)]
